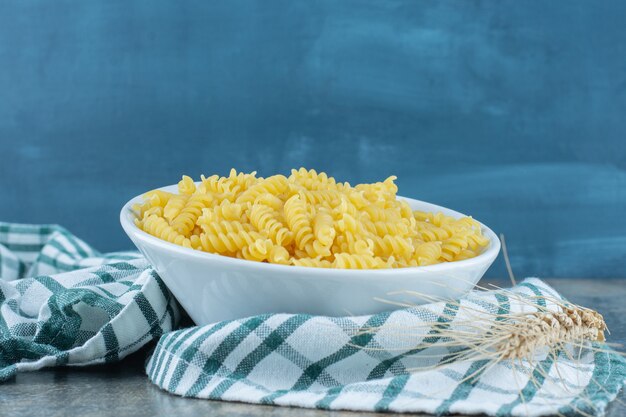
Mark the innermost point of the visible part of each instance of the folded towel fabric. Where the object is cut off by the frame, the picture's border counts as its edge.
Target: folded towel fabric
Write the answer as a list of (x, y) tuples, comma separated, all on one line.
[(370, 363), (80, 307), (76, 306)]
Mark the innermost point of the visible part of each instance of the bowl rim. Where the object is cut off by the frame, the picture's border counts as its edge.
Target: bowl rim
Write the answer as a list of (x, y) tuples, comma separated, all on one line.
[(488, 256)]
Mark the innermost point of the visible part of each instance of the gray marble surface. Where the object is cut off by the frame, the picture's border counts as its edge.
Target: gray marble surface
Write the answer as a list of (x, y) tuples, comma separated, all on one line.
[(124, 390)]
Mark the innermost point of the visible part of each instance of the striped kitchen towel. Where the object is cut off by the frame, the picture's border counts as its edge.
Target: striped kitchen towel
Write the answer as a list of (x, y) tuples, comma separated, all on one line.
[(401, 361), (75, 306), (63, 303)]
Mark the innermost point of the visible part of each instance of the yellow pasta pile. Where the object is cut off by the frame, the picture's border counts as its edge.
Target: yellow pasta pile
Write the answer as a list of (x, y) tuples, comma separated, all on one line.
[(306, 219)]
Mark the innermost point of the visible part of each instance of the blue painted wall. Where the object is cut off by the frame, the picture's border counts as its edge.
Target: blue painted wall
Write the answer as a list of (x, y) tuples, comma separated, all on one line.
[(512, 111)]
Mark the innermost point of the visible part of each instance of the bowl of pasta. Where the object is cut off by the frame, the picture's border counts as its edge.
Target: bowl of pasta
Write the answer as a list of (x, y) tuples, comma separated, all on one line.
[(240, 245)]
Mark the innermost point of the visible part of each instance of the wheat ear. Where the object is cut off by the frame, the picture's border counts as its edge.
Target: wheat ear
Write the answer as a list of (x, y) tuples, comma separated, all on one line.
[(573, 324)]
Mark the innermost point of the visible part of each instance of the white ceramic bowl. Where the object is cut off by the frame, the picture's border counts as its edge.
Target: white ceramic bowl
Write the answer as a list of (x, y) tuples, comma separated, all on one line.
[(212, 287)]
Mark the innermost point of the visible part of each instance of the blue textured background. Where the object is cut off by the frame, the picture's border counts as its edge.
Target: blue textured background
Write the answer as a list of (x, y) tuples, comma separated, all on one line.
[(514, 112)]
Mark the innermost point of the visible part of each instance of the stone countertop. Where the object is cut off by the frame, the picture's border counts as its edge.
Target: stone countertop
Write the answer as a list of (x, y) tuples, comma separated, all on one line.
[(124, 390)]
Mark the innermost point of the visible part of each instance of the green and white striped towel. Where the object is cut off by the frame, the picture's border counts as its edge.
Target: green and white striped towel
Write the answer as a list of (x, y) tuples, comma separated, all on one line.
[(364, 363), (110, 305), (78, 307)]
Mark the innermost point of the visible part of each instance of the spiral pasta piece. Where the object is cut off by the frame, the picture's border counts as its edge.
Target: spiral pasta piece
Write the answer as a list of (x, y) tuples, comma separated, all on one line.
[(428, 253), (325, 198), (239, 182), (186, 186), (227, 210), (382, 228), (214, 184), (259, 250), (265, 218), (350, 261), (430, 232), (276, 184), (323, 228), (270, 200), (392, 245), (159, 227), (349, 243), (298, 221), (465, 254), (279, 255), (210, 225), (312, 262), (452, 247), (346, 206), (186, 220), (157, 211), (380, 191), (311, 180), (476, 241), (152, 199), (378, 213), (174, 206), (315, 249), (230, 242)]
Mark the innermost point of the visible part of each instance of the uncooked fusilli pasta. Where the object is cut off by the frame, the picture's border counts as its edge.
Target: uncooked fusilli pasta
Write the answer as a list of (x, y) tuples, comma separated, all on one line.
[(306, 219)]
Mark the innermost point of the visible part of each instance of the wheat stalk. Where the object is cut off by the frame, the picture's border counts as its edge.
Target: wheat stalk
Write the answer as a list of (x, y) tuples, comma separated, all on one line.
[(513, 335), (528, 334)]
